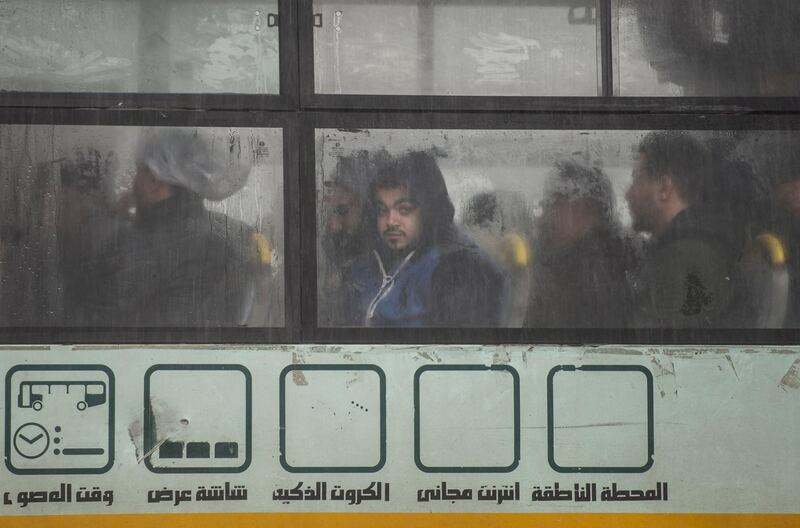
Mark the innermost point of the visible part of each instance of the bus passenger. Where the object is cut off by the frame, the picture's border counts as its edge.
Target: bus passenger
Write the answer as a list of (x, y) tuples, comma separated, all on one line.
[(584, 261), (88, 231), (420, 270), (786, 223), (687, 278), (343, 230), (501, 223), (183, 265)]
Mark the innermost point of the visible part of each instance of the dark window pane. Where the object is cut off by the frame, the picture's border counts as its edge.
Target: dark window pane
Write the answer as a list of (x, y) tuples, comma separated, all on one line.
[(708, 47), (506, 47), (125, 226), (184, 46)]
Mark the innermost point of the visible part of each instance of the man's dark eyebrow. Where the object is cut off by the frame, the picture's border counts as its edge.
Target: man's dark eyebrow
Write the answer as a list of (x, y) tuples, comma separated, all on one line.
[(403, 200)]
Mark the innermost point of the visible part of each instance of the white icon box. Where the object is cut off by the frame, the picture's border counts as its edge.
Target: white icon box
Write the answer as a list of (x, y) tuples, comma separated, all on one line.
[(197, 418), (333, 418), (59, 419), (467, 418), (600, 419)]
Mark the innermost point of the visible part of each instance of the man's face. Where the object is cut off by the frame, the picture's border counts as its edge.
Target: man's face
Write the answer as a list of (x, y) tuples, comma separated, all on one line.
[(789, 197), (344, 213), (641, 197), (399, 219), (566, 220), (342, 224), (141, 187)]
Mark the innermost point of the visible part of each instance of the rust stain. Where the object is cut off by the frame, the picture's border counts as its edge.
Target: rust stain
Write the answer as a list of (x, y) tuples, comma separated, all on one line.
[(791, 380)]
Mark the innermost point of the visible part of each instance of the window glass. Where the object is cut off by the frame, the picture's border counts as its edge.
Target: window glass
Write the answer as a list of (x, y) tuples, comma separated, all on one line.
[(182, 46), (557, 229), (708, 47), (504, 47), (127, 226)]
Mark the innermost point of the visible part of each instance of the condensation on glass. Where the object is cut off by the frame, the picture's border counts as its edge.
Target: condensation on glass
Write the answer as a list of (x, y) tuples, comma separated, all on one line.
[(455, 47), (548, 231), (143, 46), (108, 226), (707, 47)]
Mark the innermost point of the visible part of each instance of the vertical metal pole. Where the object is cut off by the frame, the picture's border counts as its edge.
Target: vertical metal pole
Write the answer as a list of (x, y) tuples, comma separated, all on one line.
[(606, 52), (426, 46), (155, 68)]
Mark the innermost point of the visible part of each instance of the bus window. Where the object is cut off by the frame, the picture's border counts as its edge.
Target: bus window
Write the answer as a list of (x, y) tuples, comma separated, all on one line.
[(142, 46), (708, 47), (142, 227), (556, 229), (515, 47)]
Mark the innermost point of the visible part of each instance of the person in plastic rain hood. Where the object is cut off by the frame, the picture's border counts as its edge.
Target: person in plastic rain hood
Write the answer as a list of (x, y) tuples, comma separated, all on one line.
[(183, 265), (420, 270)]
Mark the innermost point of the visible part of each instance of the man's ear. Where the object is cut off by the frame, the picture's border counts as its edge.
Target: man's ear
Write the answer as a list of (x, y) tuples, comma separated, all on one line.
[(666, 188), (152, 184), (157, 188)]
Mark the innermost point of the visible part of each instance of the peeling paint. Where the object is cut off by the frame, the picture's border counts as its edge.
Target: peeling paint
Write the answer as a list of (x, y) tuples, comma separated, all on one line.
[(78, 348), (136, 433), (298, 378), (430, 356), (501, 357), (791, 380), (619, 351), (356, 378)]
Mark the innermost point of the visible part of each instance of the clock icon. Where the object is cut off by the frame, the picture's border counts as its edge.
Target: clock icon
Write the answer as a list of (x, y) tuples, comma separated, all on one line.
[(31, 440)]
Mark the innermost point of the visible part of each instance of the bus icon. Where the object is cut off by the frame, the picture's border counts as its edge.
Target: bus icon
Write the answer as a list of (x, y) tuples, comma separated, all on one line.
[(59, 419), (31, 393)]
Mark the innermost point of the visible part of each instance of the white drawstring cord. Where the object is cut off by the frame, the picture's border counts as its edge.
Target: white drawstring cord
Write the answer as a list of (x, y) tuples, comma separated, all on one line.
[(387, 282)]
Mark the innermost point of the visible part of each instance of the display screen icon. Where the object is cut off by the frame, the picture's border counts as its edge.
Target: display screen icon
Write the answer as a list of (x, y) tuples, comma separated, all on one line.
[(197, 418)]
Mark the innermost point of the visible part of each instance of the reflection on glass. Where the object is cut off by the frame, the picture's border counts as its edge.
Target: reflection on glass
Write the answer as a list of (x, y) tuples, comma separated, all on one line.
[(187, 46), (126, 226), (424, 47), (708, 47), (558, 229)]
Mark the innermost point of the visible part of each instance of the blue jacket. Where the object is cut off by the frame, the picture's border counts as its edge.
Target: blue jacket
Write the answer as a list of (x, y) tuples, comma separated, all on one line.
[(445, 285)]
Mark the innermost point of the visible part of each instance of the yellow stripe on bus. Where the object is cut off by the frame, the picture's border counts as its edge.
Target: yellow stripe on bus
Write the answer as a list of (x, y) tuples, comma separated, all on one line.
[(406, 520)]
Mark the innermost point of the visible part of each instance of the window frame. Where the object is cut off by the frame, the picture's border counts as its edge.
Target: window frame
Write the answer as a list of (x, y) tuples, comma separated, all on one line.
[(298, 111)]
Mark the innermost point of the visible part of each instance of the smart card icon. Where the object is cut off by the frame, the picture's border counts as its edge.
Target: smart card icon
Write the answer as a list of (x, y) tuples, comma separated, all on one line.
[(59, 419)]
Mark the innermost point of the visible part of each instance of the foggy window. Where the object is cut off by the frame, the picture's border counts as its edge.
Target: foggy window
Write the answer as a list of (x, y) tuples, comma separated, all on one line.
[(144, 227), (185, 46), (554, 229), (423, 47), (708, 47)]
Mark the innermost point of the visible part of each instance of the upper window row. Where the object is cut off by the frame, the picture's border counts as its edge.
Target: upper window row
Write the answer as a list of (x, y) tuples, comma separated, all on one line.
[(406, 47)]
